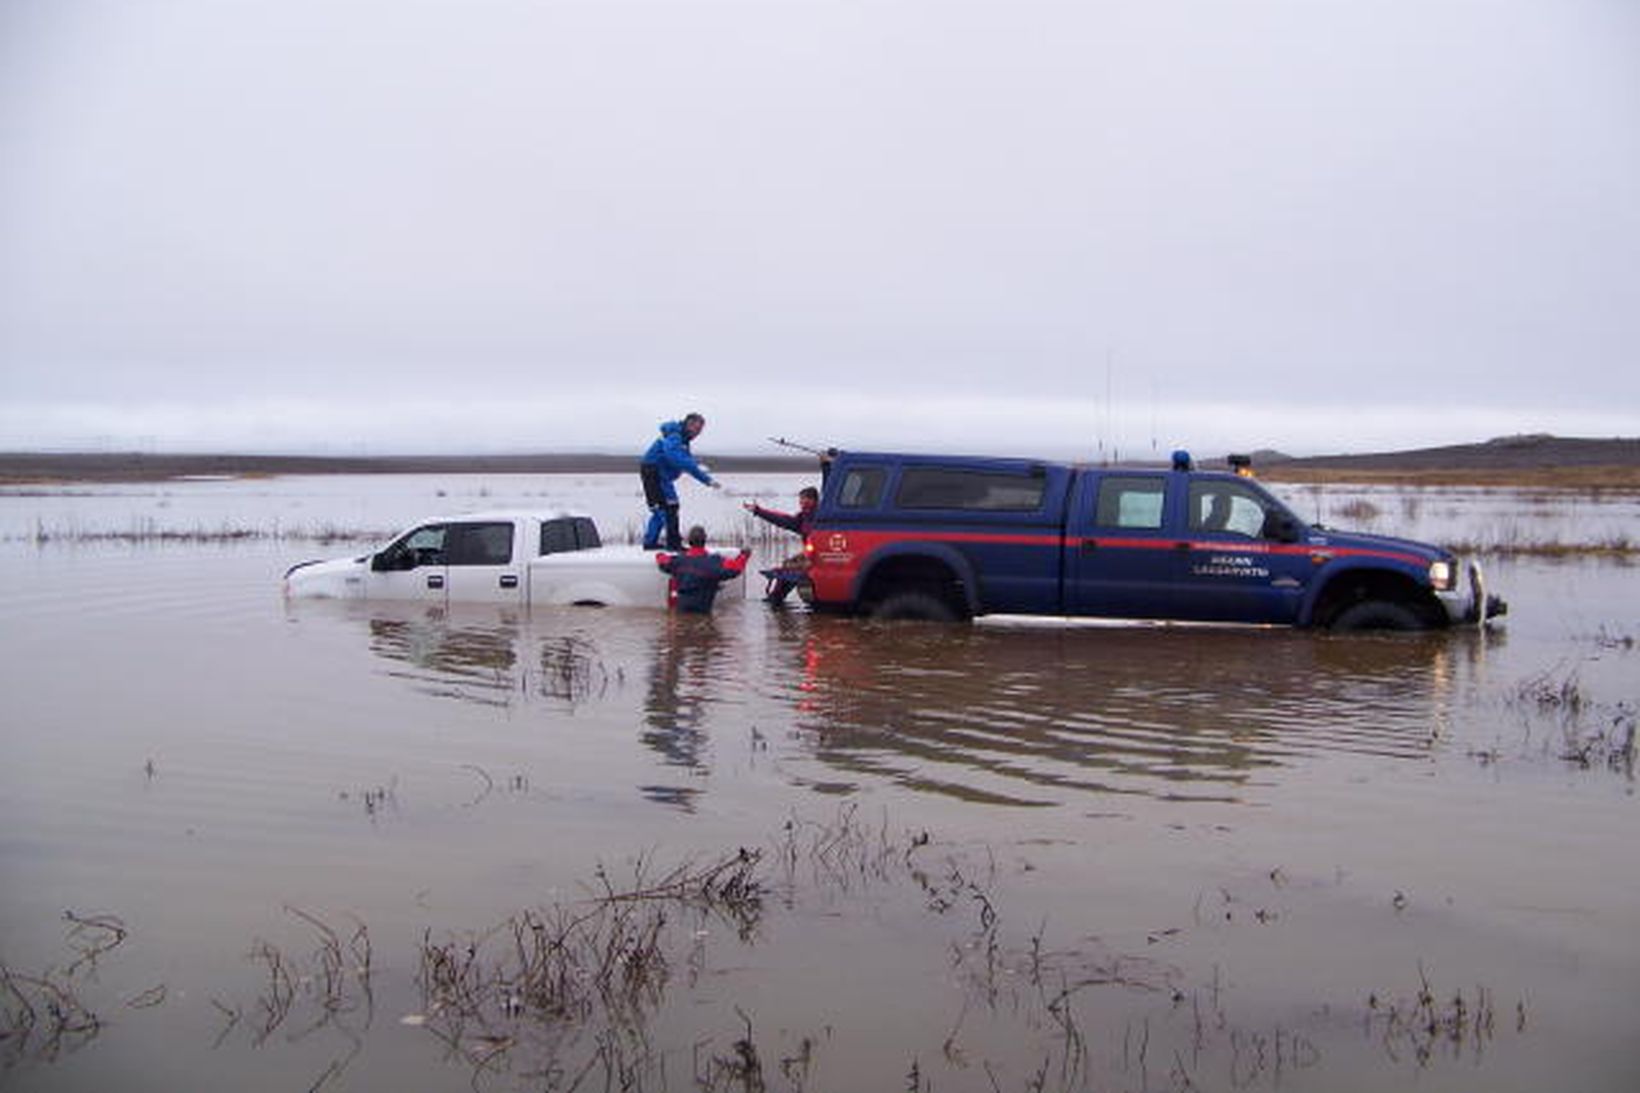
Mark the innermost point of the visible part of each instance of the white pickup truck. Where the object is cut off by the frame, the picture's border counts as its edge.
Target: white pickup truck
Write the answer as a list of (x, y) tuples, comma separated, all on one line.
[(492, 557)]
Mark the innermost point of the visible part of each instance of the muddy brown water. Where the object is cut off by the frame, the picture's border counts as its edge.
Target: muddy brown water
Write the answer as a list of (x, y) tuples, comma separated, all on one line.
[(1020, 855)]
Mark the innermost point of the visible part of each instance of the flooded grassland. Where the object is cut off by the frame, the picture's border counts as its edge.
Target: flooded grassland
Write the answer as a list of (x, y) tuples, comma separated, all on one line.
[(351, 846)]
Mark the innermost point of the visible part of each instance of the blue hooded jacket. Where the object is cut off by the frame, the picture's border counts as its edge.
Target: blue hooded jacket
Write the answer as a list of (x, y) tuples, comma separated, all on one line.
[(670, 455)]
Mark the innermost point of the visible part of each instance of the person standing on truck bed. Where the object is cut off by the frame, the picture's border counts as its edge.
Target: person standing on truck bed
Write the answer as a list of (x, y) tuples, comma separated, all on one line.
[(666, 459), (788, 575), (697, 573)]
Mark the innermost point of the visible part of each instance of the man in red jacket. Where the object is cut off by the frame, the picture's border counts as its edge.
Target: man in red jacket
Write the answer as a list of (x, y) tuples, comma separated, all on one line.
[(800, 521), (788, 575), (697, 573)]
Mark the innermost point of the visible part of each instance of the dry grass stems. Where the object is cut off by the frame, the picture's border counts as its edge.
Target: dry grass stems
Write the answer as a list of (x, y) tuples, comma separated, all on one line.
[(1581, 730), (43, 1015), (593, 970), (327, 987), (152, 532), (1420, 1025)]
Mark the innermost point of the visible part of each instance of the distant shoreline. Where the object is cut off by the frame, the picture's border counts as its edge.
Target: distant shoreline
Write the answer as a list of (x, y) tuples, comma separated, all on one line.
[(1533, 461), (44, 468)]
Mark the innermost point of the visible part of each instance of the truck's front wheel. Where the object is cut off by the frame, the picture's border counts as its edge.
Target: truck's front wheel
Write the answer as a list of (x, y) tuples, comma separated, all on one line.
[(914, 605), (1377, 615)]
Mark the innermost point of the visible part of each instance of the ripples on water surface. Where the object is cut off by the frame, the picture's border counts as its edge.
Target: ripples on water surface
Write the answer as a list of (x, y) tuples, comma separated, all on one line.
[(1020, 855)]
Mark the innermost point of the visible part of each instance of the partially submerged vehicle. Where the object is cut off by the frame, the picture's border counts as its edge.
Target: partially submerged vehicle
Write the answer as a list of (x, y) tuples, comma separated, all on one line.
[(945, 537), (507, 557)]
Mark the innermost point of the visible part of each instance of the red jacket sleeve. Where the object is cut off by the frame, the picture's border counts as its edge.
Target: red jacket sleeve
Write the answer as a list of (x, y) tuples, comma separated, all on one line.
[(788, 520)]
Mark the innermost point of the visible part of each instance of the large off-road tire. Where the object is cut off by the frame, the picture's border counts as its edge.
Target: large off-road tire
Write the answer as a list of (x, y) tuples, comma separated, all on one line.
[(914, 605), (1377, 615)]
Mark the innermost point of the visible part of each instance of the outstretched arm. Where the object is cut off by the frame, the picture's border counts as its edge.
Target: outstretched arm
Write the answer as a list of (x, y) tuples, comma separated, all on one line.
[(677, 454), (786, 520)]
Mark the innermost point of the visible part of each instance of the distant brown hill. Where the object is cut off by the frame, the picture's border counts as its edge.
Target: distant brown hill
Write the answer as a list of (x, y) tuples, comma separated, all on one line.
[(1530, 460)]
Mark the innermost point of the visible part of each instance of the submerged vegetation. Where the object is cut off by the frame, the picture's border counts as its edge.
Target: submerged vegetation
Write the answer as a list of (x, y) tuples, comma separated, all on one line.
[(151, 531), (43, 1015), (1614, 546), (1508, 544), (1422, 1023), (1582, 731), (627, 987)]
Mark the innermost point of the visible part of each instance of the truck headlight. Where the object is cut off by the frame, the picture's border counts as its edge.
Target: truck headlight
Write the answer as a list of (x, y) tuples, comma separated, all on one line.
[(1441, 576)]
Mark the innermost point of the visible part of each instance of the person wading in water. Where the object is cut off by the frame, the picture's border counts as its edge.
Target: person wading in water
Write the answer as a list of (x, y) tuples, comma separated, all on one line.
[(697, 573)]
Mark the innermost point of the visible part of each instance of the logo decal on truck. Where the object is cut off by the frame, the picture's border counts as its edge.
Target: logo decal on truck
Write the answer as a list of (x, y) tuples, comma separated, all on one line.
[(1229, 565)]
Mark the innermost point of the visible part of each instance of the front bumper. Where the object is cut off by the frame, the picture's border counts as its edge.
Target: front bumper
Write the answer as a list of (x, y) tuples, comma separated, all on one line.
[(1470, 604)]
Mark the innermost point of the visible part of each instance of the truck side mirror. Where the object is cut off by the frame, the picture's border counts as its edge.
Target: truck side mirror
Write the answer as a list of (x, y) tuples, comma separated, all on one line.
[(1280, 527)]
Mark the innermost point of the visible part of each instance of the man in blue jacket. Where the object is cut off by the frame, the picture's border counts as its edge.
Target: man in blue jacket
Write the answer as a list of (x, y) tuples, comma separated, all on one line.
[(667, 458)]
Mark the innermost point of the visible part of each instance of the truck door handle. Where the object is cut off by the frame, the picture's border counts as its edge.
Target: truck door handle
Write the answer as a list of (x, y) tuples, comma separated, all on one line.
[(1089, 545), (509, 580), (435, 582), (1182, 546)]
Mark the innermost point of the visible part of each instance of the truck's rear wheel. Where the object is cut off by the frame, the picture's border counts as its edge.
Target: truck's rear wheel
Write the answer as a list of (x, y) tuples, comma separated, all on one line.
[(914, 605), (1377, 615)]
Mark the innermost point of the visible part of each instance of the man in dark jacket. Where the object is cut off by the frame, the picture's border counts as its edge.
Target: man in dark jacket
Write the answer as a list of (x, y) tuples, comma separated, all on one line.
[(667, 458), (697, 573)]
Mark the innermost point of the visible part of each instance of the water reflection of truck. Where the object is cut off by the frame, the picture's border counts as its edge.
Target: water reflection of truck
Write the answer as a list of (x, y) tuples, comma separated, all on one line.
[(1035, 714), (499, 557), (945, 537)]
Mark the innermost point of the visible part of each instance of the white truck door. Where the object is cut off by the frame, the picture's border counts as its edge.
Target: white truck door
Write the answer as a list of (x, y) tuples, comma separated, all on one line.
[(411, 567), (485, 562)]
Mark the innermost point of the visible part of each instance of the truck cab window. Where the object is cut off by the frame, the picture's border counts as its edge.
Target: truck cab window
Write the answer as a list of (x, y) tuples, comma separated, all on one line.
[(480, 544), (1131, 503), (861, 488), (557, 536), (975, 490), (568, 533), (1230, 508), (423, 546)]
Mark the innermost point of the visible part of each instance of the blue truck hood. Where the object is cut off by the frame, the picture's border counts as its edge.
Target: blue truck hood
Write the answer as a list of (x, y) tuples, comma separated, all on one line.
[(1363, 541)]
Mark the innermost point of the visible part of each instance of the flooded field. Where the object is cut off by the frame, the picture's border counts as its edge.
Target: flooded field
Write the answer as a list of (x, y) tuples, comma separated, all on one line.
[(292, 846)]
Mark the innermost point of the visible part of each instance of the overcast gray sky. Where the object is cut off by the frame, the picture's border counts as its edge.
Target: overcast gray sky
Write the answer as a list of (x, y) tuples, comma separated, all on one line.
[(1101, 226)]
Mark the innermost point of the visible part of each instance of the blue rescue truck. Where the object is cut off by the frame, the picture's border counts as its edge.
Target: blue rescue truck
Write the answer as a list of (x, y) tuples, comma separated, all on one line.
[(954, 537)]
